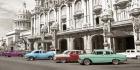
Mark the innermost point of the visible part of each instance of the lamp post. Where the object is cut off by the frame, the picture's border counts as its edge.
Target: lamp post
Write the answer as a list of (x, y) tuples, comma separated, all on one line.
[(107, 19), (44, 30), (135, 13), (23, 40), (54, 29)]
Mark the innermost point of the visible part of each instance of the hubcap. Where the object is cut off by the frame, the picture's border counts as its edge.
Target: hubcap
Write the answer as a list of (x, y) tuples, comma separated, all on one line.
[(86, 62), (115, 62)]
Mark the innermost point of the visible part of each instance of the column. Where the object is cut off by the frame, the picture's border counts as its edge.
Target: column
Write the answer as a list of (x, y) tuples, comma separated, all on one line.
[(88, 13), (43, 46), (85, 42), (54, 39), (36, 46), (113, 44), (71, 44), (68, 17), (68, 44), (89, 44), (48, 22), (91, 12), (72, 16), (39, 22), (84, 6), (59, 20)]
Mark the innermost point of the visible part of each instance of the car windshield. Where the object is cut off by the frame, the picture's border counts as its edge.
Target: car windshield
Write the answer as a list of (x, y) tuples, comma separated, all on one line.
[(66, 52)]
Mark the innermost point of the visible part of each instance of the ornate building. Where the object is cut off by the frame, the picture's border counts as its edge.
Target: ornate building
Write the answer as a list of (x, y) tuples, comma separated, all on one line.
[(17, 39), (85, 25)]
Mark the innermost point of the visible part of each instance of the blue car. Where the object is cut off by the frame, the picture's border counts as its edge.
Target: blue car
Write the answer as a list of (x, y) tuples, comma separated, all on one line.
[(40, 54)]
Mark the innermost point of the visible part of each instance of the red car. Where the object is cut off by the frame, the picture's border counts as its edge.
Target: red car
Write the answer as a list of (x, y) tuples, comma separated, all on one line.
[(13, 53), (68, 56)]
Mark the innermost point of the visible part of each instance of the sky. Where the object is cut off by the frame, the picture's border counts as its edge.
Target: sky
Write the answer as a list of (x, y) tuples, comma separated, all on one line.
[(8, 10)]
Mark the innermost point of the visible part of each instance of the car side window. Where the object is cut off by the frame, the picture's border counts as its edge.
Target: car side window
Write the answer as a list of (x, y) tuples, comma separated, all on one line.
[(108, 53), (99, 53), (43, 51), (138, 51), (72, 52), (37, 52), (132, 51)]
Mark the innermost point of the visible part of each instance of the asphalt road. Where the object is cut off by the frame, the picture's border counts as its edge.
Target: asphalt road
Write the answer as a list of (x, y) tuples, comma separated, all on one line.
[(15, 63)]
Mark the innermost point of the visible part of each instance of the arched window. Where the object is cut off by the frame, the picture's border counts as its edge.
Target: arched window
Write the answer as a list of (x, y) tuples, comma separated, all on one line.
[(78, 8), (52, 15), (97, 20), (64, 27), (63, 12)]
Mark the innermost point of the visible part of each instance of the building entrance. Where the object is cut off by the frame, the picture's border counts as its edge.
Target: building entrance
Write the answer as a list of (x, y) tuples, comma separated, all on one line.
[(124, 43)]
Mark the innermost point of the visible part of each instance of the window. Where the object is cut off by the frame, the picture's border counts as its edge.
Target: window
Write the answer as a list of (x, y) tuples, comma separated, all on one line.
[(37, 51), (99, 53), (97, 20), (64, 27), (132, 51), (43, 51), (107, 52)]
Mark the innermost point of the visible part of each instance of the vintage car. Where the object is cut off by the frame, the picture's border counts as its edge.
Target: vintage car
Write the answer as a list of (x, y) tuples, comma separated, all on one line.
[(102, 56), (40, 54), (131, 53), (68, 56), (1, 53), (13, 53)]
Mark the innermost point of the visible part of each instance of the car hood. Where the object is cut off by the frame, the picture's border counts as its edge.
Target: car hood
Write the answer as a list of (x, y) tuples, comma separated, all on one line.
[(124, 53), (28, 54)]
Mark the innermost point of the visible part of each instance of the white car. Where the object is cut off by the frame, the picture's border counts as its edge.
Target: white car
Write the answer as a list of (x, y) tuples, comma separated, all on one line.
[(132, 53)]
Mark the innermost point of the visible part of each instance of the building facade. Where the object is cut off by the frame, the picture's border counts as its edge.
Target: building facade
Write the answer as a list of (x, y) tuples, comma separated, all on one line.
[(84, 25), (17, 38)]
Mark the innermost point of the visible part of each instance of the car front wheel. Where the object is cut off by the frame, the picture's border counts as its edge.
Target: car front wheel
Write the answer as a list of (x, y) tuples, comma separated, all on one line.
[(86, 62), (50, 58), (31, 58), (115, 62), (64, 61)]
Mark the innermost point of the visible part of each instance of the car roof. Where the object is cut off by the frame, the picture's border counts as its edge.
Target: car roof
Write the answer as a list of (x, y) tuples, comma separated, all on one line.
[(102, 50), (73, 50)]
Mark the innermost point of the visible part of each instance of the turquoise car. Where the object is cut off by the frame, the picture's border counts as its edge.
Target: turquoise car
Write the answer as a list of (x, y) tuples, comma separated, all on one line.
[(40, 54), (102, 56)]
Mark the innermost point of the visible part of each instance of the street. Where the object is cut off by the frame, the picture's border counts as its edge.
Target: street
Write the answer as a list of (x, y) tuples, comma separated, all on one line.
[(16, 63)]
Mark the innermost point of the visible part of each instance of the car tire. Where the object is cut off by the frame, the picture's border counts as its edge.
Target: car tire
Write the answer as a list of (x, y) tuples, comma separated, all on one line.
[(20, 55), (63, 61), (8, 56), (137, 57), (115, 61), (50, 58), (31, 58), (87, 62)]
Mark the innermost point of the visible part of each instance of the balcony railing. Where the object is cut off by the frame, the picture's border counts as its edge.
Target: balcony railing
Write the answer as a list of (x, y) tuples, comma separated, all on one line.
[(122, 3)]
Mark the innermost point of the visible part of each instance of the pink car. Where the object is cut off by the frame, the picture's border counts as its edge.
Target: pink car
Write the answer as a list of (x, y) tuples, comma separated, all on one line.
[(13, 53)]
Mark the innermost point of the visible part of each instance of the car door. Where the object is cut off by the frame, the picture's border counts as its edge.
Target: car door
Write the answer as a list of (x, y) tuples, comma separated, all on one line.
[(74, 56), (108, 56), (37, 54), (43, 55), (98, 57)]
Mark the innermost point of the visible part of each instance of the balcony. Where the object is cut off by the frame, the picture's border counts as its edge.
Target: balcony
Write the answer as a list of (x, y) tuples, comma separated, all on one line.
[(121, 4), (135, 12), (97, 9)]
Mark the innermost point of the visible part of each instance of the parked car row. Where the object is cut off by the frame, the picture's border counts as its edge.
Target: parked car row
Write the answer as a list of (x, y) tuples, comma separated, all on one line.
[(97, 56)]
